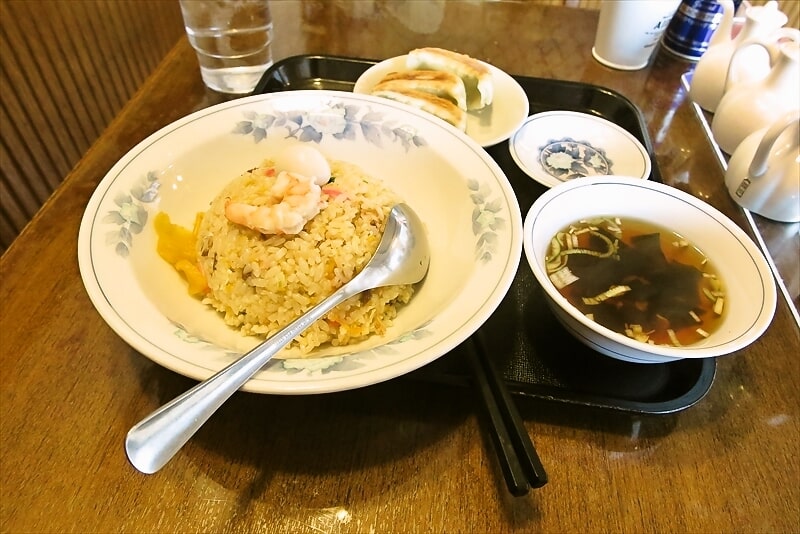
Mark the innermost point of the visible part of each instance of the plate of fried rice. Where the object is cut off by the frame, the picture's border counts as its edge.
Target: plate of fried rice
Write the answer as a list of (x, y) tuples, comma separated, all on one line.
[(204, 239)]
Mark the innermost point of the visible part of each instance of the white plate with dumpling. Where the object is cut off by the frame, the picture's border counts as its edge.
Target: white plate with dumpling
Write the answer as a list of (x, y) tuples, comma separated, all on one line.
[(488, 126)]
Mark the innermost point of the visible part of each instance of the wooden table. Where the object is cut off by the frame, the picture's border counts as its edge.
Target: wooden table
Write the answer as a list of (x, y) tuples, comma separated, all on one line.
[(401, 456)]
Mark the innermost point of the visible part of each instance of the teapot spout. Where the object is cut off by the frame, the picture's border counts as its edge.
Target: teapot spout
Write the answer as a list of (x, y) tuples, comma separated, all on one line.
[(724, 31)]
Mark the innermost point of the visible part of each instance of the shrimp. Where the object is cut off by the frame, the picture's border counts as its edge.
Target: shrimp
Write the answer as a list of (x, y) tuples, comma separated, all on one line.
[(294, 200)]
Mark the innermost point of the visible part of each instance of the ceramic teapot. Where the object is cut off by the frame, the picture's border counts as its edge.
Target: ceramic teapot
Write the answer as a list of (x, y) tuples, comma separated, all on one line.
[(764, 173), (708, 81), (748, 107)]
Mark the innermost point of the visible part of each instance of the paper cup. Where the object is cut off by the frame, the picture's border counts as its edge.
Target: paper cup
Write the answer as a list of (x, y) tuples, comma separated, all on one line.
[(629, 30)]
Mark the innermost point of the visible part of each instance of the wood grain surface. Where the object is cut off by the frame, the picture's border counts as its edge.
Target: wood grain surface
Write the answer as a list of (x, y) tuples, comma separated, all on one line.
[(66, 70), (405, 455)]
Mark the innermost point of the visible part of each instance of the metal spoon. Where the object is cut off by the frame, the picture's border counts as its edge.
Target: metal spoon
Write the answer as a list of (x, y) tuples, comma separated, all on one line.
[(402, 257)]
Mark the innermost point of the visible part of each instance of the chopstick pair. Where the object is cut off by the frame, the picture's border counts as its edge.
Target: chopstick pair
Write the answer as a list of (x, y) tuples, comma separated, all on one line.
[(519, 461)]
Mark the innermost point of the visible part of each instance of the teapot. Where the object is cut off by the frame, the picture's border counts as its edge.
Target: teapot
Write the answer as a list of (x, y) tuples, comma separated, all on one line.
[(749, 106), (764, 173), (708, 80)]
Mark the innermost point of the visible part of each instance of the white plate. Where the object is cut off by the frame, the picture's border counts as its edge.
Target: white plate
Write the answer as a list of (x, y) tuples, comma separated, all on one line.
[(470, 211), (491, 125), (556, 146)]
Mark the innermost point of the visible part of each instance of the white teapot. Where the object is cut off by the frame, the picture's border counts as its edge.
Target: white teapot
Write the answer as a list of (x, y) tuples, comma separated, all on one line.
[(750, 106), (764, 173), (708, 80)]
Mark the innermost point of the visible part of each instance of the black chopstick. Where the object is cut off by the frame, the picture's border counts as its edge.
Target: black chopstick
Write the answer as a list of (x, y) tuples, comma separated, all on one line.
[(519, 462)]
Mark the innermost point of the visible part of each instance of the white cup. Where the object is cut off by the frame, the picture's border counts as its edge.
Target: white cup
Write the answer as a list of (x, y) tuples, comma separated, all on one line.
[(629, 31)]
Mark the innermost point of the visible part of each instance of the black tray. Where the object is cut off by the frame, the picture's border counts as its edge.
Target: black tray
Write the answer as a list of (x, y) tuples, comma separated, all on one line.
[(537, 356)]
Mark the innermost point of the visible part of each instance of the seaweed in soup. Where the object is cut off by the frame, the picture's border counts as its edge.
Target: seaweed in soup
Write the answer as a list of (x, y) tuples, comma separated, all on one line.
[(637, 279)]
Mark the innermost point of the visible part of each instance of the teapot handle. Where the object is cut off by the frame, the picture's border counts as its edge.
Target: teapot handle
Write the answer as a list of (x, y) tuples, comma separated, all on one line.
[(761, 158), (770, 43), (729, 76), (787, 34), (777, 38)]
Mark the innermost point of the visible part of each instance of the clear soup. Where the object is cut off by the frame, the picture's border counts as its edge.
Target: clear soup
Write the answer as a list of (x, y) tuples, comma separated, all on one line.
[(638, 279)]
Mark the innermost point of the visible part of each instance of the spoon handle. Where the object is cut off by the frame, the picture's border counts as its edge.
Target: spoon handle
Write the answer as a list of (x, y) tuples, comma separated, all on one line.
[(152, 442)]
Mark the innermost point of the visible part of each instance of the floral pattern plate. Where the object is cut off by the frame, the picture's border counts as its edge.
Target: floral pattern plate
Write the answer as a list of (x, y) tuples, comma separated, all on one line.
[(488, 126), (557, 146), (470, 211)]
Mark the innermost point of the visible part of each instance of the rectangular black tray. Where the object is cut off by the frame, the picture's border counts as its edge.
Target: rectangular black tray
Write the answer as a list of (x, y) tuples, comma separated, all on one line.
[(537, 356)]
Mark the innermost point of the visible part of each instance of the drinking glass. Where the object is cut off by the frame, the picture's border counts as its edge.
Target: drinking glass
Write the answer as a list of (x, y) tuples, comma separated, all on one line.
[(232, 39)]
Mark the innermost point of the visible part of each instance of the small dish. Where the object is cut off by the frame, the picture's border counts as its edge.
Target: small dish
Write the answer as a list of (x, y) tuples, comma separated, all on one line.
[(489, 126), (557, 146)]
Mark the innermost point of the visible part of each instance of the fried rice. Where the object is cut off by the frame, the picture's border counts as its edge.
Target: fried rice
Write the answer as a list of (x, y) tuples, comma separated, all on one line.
[(260, 283)]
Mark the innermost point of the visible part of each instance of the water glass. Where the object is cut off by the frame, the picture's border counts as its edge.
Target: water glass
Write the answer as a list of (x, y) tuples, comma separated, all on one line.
[(232, 39)]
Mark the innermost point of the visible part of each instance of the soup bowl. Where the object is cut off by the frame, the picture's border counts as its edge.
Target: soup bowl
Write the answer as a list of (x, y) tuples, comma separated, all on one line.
[(750, 292)]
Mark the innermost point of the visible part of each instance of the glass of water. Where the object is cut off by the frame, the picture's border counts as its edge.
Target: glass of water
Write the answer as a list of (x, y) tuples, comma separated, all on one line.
[(232, 39)]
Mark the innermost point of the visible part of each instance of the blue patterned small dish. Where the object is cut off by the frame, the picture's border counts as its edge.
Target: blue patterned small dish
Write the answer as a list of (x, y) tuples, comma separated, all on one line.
[(557, 146), (470, 211)]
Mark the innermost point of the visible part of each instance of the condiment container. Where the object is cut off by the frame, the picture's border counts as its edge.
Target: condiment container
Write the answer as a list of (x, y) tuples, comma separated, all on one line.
[(709, 77), (690, 31), (750, 106)]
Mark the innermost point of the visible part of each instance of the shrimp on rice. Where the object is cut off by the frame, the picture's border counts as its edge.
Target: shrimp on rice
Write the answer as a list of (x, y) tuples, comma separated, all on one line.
[(293, 200)]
